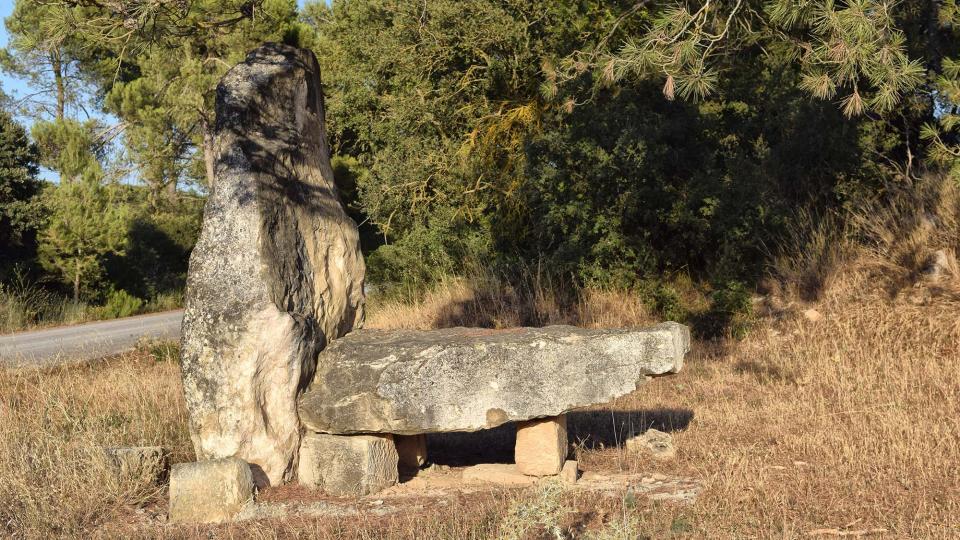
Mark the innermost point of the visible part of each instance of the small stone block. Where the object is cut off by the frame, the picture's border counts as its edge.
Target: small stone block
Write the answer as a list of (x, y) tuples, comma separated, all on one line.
[(411, 450), (137, 463), (497, 473), (348, 465), (212, 491), (541, 446), (570, 472)]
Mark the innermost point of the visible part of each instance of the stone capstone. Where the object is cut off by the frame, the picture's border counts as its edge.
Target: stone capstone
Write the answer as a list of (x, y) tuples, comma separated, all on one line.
[(352, 465), (212, 491), (468, 379), (277, 272), (541, 447)]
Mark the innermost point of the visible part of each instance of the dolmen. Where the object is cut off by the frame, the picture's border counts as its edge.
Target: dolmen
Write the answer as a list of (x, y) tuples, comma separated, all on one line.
[(277, 372)]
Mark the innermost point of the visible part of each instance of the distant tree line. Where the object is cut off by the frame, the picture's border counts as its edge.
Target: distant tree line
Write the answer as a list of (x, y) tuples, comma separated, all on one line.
[(608, 142)]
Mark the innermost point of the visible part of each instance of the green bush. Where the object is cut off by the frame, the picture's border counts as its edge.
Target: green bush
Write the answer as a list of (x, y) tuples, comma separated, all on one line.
[(730, 313), (120, 303)]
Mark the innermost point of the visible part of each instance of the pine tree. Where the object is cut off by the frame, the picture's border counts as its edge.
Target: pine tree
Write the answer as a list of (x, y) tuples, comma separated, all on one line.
[(88, 221), (19, 209)]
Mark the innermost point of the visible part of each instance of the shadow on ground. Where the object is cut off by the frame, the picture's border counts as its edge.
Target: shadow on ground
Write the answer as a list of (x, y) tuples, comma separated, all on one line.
[(587, 429)]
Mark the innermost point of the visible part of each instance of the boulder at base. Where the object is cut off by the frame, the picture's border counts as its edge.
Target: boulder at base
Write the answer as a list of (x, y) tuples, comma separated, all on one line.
[(277, 271), (466, 379)]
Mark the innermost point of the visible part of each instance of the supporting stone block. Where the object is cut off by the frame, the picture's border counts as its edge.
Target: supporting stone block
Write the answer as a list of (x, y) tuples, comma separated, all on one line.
[(570, 472), (212, 491), (541, 446), (411, 450), (348, 465)]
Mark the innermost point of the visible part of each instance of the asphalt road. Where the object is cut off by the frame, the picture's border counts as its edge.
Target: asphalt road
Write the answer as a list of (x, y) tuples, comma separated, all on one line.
[(76, 343)]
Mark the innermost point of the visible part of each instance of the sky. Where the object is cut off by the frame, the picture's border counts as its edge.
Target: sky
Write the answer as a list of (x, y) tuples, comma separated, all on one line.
[(11, 86), (17, 88)]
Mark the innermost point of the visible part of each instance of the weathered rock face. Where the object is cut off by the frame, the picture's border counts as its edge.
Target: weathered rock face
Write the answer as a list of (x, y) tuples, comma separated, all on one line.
[(277, 271), (460, 379), (210, 491), (348, 465), (541, 448)]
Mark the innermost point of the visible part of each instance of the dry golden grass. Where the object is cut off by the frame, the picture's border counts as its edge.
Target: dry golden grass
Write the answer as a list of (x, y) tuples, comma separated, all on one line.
[(843, 425), (53, 427), (488, 301)]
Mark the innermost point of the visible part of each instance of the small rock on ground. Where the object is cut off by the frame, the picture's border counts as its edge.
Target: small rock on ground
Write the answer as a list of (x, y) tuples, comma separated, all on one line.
[(657, 443), (497, 473)]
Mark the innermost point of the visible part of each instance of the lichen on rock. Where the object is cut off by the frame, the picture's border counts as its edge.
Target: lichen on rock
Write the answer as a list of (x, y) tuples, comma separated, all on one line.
[(277, 272)]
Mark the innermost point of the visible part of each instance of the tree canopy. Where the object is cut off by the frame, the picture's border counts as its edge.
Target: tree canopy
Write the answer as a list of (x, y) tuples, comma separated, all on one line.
[(608, 142)]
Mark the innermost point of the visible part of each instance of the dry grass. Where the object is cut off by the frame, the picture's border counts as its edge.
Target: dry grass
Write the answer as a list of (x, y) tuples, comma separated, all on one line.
[(491, 302), (803, 426), (842, 425), (800, 427), (53, 427)]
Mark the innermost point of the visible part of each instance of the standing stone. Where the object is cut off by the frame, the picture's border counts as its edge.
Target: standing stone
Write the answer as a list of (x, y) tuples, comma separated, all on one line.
[(351, 465), (277, 271), (209, 491), (411, 450), (542, 446)]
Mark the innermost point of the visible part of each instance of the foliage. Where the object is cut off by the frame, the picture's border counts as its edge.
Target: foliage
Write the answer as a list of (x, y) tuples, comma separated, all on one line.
[(70, 147), (20, 213), (507, 132), (433, 103), (158, 241), (894, 59), (120, 303), (87, 223)]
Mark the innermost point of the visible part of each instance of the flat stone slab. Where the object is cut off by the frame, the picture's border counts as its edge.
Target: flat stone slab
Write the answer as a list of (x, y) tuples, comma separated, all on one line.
[(467, 379)]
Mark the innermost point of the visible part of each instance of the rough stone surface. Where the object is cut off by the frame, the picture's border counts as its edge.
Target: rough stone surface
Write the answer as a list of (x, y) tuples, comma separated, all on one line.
[(657, 443), (411, 450), (940, 264), (212, 491), (497, 473), (277, 271), (541, 446), (351, 465), (137, 463), (570, 472), (467, 379)]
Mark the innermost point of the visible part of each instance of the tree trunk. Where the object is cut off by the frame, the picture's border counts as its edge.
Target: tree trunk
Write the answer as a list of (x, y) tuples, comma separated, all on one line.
[(58, 81), (76, 284), (208, 155)]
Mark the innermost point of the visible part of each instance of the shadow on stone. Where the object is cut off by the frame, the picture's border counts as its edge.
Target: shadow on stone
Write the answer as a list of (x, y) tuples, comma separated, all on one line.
[(589, 429)]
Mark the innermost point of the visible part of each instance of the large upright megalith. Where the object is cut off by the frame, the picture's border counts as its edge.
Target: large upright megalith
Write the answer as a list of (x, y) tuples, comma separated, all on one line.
[(277, 271)]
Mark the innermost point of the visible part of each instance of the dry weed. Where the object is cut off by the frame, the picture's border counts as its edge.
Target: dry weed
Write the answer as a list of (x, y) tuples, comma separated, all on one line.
[(54, 425), (843, 425)]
